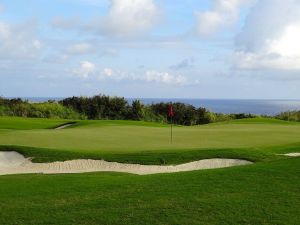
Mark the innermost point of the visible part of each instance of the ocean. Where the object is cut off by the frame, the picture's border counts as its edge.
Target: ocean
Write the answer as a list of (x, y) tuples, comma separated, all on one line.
[(258, 107)]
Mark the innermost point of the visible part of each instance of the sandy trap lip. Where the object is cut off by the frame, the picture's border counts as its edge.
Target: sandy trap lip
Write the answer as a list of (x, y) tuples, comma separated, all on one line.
[(293, 154), (63, 126), (15, 163)]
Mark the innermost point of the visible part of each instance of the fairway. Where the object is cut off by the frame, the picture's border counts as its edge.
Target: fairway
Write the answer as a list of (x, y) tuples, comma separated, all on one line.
[(265, 192), (257, 194)]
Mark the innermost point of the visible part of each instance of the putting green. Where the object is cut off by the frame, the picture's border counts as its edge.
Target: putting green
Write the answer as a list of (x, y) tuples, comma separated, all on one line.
[(106, 139)]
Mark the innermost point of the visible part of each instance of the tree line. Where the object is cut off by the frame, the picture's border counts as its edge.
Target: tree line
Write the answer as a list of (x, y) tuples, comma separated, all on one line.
[(106, 107), (103, 107), (51, 109)]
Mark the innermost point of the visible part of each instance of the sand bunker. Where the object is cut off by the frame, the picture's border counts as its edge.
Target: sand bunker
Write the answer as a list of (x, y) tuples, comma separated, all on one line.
[(64, 126), (11, 159), (294, 154), (15, 163)]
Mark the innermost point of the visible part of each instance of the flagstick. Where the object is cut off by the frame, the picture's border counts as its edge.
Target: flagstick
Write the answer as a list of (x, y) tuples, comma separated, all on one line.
[(170, 115), (171, 130)]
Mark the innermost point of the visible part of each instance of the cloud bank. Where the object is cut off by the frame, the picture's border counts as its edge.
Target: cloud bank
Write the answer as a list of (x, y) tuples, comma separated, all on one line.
[(90, 70), (270, 37)]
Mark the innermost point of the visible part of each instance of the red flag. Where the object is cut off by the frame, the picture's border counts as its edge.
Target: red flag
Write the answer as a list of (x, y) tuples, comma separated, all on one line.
[(170, 113)]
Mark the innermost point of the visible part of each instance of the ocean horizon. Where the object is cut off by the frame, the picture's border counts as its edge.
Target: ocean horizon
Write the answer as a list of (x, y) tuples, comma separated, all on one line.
[(268, 107)]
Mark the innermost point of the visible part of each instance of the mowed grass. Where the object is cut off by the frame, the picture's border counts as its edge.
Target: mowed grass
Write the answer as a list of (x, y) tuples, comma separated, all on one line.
[(267, 192), (148, 143), (264, 193)]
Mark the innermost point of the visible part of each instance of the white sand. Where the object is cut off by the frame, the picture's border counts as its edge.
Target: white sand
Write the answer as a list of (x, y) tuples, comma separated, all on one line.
[(293, 154), (11, 159), (64, 126), (15, 163)]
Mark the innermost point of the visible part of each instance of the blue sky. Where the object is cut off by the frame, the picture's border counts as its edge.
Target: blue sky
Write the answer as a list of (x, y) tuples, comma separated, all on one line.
[(237, 49)]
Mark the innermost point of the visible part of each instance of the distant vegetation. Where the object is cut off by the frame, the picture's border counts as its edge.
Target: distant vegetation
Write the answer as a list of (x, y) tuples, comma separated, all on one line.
[(54, 110), (102, 107), (289, 116)]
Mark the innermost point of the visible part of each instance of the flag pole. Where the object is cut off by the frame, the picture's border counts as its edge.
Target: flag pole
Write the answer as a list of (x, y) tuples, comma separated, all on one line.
[(172, 130), (171, 114)]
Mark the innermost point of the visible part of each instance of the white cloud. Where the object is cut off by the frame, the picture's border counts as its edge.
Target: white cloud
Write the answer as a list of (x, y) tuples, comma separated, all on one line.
[(127, 18), (287, 45), (150, 76), (272, 41), (164, 77), (124, 19), (85, 69), (224, 13), (252, 61), (116, 75), (108, 72), (80, 48), (18, 41)]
